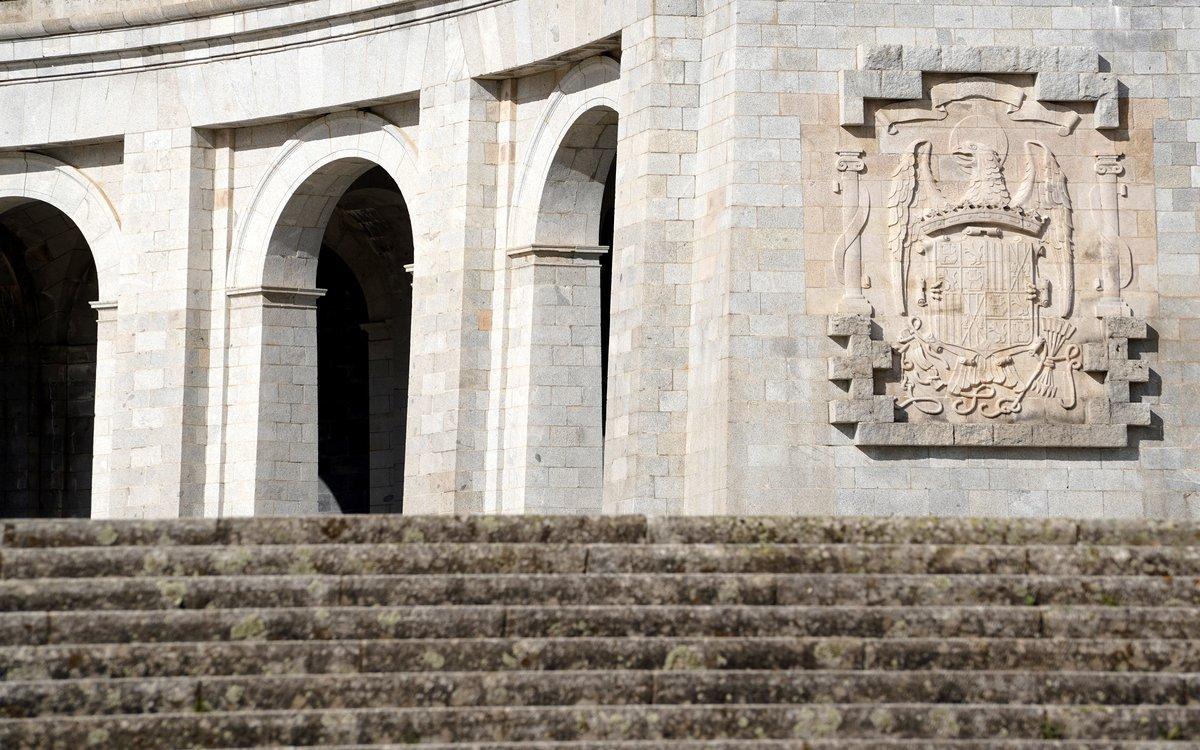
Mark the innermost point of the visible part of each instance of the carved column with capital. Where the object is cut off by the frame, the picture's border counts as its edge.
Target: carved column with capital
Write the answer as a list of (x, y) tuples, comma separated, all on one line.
[(1109, 169), (856, 205)]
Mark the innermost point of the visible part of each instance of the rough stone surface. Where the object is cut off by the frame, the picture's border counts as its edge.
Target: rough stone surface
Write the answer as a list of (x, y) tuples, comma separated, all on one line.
[(673, 633)]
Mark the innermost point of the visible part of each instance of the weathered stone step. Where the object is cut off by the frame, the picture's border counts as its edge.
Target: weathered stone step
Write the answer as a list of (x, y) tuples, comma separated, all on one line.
[(199, 592), (424, 559), (527, 724), (76, 661), (594, 529), (340, 623), (838, 744), (380, 529), (630, 687), (325, 559), (786, 744), (894, 559)]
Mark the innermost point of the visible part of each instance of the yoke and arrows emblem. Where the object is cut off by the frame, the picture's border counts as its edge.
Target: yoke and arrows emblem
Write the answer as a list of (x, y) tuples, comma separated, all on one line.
[(986, 278)]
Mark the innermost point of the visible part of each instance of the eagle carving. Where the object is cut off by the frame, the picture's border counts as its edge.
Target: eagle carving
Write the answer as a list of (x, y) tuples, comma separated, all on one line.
[(985, 273)]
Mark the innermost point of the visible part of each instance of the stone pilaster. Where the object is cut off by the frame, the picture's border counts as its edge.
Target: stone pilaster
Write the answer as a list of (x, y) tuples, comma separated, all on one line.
[(271, 427), (645, 439), (553, 435), (452, 299), (157, 428), (107, 396), (388, 403)]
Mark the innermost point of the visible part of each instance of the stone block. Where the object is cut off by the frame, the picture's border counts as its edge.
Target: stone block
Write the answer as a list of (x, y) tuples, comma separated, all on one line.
[(848, 325), (881, 56), (900, 84), (841, 367), (1057, 87), (854, 411), (1094, 86), (1107, 114), (1132, 370), (880, 355), (1081, 59), (962, 59), (1079, 436), (1012, 435), (1117, 390), (916, 434), (974, 434), (1095, 357), (922, 58), (1036, 59), (1125, 327), (861, 388), (1098, 411), (864, 83), (1137, 414), (1001, 59)]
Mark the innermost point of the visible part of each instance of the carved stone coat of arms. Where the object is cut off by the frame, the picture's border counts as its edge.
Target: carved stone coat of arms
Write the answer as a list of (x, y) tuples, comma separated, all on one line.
[(981, 240), (986, 277)]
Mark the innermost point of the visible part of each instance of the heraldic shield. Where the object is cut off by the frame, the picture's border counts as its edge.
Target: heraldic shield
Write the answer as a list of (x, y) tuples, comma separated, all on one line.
[(978, 339), (988, 293), (977, 276)]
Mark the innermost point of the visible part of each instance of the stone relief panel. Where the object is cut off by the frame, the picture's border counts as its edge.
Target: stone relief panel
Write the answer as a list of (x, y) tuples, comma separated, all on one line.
[(986, 259)]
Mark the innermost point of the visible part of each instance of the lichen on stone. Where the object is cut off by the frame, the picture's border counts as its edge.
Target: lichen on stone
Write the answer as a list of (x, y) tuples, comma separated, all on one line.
[(684, 659), (817, 721), (249, 628)]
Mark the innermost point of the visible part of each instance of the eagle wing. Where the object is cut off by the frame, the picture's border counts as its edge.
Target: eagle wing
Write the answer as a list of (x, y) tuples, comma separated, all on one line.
[(1044, 190), (906, 186)]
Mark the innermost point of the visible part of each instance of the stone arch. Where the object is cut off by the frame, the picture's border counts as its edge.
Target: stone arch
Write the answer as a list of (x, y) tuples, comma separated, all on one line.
[(556, 315), (278, 239), (272, 398), (59, 349), (28, 176), (583, 106)]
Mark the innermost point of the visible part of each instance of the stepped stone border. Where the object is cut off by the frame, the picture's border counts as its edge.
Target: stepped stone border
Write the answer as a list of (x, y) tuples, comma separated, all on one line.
[(874, 416), (894, 71)]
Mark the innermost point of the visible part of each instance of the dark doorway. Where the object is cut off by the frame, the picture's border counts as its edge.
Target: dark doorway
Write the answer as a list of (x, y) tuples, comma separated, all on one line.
[(47, 364), (343, 398), (607, 213), (363, 339)]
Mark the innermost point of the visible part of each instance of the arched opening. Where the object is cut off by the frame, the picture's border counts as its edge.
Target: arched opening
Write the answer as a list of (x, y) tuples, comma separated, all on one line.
[(343, 388), (47, 364), (560, 286), (607, 218), (578, 210), (363, 342)]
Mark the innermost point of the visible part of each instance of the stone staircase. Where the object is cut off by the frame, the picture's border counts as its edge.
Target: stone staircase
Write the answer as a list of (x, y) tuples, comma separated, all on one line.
[(603, 633)]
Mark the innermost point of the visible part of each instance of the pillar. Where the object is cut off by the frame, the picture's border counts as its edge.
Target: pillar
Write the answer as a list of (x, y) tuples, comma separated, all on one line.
[(158, 427), (554, 452), (271, 432), (452, 298)]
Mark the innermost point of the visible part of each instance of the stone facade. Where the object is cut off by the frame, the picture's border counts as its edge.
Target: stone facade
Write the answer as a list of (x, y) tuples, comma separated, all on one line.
[(660, 256)]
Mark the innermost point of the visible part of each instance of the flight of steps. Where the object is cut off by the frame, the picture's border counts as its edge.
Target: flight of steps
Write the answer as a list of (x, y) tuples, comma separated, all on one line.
[(603, 633)]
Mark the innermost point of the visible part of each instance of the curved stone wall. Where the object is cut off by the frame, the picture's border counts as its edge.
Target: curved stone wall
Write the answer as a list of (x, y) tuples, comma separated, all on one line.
[(804, 193)]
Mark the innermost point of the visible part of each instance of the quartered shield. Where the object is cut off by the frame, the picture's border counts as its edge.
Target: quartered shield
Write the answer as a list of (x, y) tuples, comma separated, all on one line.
[(985, 302)]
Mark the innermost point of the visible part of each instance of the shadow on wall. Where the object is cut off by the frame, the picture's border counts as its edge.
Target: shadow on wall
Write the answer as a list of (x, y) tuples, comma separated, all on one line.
[(363, 340), (47, 364)]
